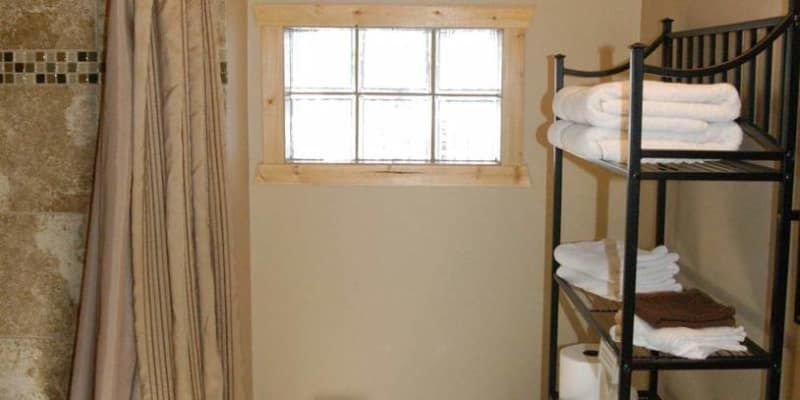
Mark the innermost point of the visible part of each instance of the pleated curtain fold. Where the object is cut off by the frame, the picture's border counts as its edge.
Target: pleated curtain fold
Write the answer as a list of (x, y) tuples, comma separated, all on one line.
[(157, 318)]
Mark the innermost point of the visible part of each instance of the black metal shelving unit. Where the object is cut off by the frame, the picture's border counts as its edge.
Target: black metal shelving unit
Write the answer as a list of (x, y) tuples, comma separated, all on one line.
[(743, 54)]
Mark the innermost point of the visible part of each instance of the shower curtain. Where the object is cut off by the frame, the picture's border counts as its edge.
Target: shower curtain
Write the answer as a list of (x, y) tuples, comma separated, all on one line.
[(156, 319)]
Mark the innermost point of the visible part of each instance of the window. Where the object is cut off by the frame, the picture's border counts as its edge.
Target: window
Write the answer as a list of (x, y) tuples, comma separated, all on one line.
[(389, 95), (392, 94)]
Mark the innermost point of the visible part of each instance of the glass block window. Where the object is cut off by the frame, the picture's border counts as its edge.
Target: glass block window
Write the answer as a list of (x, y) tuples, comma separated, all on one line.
[(393, 95)]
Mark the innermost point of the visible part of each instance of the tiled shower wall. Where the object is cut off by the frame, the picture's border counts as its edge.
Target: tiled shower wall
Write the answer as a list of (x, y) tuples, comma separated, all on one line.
[(49, 62)]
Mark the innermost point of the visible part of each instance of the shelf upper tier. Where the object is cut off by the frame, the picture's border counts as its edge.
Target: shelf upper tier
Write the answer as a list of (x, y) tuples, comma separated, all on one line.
[(599, 313), (722, 170)]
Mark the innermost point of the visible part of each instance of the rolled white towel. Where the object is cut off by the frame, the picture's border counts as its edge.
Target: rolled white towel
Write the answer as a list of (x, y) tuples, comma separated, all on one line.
[(723, 136), (696, 344), (596, 143), (671, 107)]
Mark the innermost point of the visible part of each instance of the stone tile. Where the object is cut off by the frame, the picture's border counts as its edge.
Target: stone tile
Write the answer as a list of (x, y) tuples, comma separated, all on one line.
[(47, 147), (41, 262), (48, 24), (100, 25), (33, 369)]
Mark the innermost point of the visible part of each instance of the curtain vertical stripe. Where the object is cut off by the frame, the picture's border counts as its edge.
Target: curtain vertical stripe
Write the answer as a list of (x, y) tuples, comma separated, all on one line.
[(172, 234), (185, 261)]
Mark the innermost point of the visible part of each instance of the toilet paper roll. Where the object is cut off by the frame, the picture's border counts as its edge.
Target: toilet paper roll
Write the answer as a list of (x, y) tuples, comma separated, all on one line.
[(579, 373)]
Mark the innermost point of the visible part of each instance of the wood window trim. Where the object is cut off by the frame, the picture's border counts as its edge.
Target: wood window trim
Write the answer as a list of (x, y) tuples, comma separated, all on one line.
[(274, 18)]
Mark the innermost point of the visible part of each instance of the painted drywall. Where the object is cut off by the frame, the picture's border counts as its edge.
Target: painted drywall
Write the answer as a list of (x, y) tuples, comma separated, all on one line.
[(390, 293), (723, 231)]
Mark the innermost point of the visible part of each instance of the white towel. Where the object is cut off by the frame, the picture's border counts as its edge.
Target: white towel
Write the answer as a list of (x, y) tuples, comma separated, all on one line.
[(596, 143), (644, 275), (670, 107), (592, 256), (611, 289), (597, 267), (696, 344)]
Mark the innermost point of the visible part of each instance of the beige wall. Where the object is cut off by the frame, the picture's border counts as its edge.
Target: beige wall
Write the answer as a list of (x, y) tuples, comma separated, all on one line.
[(723, 231), (390, 293)]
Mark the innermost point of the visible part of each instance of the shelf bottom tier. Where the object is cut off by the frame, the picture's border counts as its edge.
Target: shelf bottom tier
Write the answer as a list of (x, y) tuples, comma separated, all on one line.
[(599, 312), (643, 395)]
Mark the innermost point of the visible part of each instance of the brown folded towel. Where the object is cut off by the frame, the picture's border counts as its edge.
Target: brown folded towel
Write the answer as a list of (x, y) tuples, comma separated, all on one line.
[(691, 309)]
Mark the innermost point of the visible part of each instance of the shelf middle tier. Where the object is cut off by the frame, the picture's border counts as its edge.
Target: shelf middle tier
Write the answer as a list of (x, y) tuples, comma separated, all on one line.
[(719, 170), (737, 165), (599, 313)]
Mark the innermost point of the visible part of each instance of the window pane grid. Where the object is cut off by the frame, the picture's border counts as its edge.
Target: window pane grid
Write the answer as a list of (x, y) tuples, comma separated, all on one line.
[(432, 73), (486, 98), (320, 127)]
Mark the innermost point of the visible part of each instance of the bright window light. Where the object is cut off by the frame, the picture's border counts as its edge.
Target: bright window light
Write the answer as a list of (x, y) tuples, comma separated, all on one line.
[(382, 95)]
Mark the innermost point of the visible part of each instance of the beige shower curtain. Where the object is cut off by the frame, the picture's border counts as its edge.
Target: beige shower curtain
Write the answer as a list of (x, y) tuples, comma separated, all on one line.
[(156, 319)]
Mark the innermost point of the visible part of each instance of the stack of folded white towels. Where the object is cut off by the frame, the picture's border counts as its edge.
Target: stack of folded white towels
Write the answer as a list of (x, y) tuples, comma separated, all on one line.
[(692, 343), (597, 267), (676, 116)]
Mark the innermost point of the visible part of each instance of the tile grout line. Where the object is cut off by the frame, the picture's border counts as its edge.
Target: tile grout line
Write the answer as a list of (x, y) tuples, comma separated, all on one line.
[(34, 337), (34, 213)]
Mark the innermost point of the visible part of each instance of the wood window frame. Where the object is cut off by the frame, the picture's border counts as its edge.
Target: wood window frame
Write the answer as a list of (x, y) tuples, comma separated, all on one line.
[(273, 19)]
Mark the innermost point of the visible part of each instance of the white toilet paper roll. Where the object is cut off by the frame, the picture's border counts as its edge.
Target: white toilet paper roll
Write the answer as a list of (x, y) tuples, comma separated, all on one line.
[(579, 373)]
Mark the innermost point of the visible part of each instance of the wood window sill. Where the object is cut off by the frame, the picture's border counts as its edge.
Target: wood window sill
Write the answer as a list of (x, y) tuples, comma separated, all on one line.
[(393, 174)]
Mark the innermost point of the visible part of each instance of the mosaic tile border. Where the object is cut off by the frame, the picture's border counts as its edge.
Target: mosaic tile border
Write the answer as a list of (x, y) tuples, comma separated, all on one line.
[(44, 67), (59, 67)]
